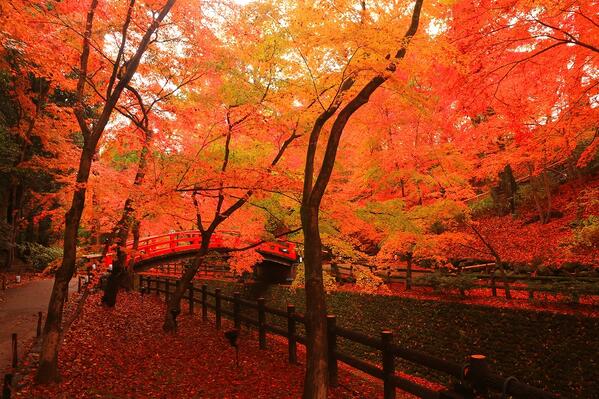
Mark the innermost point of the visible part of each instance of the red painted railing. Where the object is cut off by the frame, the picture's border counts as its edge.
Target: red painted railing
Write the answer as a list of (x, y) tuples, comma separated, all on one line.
[(187, 241)]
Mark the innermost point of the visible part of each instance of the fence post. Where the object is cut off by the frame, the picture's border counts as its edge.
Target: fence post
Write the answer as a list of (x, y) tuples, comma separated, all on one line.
[(141, 283), (261, 323), (38, 331), (508, 294), (167, 287), (204, 302), (493, 284), (388, 364), (291, 343), (218, 315), (191, 298), (15, 357), (236, 310), (332, 347), (409, 277), (7, 387), (144, 285), (478, 368)]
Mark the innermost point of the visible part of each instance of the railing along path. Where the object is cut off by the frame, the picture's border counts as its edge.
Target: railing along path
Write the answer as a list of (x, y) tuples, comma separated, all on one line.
[(473, 378)]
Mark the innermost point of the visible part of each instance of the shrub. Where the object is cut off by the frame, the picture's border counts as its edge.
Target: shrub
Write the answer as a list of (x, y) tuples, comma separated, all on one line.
[(482, 207), (447, 282), (571, 289), (586, 235), (300, 279), (38, 255), (367, 281)]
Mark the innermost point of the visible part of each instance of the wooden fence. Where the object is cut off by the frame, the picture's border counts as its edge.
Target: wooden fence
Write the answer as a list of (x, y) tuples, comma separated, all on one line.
[(7, 385), (474, 377), (491, 280)]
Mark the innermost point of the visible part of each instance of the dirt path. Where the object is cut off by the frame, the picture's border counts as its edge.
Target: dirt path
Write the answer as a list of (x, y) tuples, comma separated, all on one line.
[(19, 307)]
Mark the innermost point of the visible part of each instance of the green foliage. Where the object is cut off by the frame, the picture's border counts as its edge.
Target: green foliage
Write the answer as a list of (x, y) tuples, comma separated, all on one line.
[(482, 207), (38, 255), (282, 214), (122, 161), (369, 282), (388, 215), (527, 192), (586, 234), (300, 279), (339, 246), (446, 282)]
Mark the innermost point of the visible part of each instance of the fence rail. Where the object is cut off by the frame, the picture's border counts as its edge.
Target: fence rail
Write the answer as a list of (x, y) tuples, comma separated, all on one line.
[(496, 283), (474, 377), (489, 280)]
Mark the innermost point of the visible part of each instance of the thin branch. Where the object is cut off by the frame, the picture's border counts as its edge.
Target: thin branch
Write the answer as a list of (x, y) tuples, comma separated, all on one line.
[(117, 64), (258, 243), (84, 60)]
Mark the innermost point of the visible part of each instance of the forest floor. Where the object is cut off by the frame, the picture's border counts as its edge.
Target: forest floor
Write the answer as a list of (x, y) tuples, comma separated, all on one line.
[(123, 353), (517, 238)]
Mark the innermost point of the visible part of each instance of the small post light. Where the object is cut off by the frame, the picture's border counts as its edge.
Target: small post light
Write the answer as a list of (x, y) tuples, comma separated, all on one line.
[(175, 313), (232, 336)]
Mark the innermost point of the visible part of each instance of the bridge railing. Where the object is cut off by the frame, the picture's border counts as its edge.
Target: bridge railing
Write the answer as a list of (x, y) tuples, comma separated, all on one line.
[(184, 241), (475, 377)]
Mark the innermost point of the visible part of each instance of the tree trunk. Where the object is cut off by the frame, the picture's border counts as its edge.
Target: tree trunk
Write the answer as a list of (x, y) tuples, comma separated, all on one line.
[(13, 217), (118, 273), (121, 276), (128, 282), (316, 378), (315, 384), (409, 271), (48, 367), (173, 308)]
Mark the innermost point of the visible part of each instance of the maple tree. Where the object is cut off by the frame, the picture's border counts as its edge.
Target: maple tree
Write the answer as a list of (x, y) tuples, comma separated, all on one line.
[(121, 72), (213, 179)]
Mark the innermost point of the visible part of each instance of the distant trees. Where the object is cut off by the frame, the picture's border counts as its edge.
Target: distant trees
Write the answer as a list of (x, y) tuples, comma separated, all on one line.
[(33, 155)]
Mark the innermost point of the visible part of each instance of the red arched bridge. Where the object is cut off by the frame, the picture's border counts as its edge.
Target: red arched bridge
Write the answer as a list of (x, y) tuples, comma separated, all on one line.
[(159, 249)]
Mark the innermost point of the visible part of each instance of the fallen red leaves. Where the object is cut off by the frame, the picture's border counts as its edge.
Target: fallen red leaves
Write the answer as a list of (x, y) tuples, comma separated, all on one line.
[(123, 353)]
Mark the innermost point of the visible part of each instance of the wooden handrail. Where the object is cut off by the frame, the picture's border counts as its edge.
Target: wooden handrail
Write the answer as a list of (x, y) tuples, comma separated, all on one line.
[(189, 241)]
